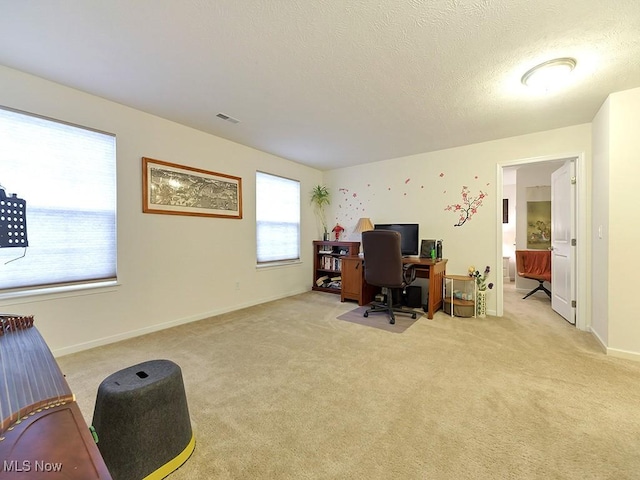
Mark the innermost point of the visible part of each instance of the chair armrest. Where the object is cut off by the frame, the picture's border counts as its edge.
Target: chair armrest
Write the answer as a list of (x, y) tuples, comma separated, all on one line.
[(408, 273)]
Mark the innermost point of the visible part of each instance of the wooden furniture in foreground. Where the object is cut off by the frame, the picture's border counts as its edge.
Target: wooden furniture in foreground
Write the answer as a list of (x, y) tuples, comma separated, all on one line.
[(355, 287), (42, 432), (536, 265), (327, 263)]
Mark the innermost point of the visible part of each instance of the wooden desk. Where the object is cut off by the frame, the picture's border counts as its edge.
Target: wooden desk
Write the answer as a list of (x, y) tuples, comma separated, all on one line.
[(354, 286), (434, 271)]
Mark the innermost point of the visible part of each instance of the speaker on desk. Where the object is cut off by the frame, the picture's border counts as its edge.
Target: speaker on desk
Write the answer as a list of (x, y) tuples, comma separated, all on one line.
[(426, 246)]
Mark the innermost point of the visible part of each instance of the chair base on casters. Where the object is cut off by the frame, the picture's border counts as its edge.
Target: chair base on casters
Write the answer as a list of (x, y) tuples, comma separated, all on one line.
[(539, 287), (389, 308)]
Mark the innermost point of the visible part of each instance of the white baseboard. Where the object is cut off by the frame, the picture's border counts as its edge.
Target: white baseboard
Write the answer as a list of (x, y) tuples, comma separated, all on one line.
[(615, 352), (603, 346), (162, 326)]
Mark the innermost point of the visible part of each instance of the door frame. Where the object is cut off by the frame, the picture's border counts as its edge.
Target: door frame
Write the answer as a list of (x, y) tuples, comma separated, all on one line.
[(583, 309)]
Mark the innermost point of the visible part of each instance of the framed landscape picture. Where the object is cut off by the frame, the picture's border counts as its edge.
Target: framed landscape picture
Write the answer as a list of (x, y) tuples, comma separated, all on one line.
[(539, 225), (173, 189)]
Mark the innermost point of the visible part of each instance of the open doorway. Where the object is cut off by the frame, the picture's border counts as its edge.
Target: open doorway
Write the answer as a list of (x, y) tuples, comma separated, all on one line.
[(512, 234)]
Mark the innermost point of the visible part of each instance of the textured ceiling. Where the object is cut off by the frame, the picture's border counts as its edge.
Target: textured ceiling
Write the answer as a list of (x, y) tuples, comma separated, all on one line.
[(332, 83)]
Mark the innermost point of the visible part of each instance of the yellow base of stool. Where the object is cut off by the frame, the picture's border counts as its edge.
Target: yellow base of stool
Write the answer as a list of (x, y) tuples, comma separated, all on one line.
[(142, 421), (174, 464)]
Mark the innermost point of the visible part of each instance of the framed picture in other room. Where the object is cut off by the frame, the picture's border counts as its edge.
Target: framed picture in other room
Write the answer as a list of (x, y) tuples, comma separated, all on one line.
[(505, 210)]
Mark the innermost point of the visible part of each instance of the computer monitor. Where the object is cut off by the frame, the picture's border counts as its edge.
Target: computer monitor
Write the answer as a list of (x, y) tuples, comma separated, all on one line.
[(409, 242)]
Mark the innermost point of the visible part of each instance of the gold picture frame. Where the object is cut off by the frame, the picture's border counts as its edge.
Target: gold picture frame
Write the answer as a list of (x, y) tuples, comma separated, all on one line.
[(172, 189)]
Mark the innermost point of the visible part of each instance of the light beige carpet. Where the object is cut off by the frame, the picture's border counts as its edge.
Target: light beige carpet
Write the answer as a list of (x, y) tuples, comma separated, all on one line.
[(286, 391)]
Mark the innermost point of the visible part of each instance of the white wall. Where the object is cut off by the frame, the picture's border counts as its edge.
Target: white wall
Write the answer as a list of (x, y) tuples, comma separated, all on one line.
[(509, 229), (171, 269), (418, 188), (600, 219), (624, 221)]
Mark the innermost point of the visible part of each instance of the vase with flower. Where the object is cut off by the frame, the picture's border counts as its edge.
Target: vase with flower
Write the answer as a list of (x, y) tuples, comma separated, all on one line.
[(481, 283)]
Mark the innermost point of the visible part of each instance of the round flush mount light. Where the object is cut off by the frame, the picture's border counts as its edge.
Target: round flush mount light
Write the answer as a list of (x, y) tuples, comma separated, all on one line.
[(549, 74)]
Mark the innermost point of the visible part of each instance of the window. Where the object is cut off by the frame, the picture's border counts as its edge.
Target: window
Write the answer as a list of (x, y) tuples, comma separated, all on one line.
[(277, 218), (57, 203)]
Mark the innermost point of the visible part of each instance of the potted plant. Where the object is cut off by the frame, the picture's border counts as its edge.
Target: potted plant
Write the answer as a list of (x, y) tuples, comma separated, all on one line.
[(320, 198)]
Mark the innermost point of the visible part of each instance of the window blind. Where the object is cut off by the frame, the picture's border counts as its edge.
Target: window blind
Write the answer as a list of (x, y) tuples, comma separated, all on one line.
[(66, 176), (277, 218)]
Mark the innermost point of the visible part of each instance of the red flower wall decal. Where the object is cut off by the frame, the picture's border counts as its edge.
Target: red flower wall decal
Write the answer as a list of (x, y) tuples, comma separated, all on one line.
[(469, 206)]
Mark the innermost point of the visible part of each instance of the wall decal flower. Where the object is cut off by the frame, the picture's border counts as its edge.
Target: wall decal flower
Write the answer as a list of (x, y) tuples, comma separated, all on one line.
[(469, 206)]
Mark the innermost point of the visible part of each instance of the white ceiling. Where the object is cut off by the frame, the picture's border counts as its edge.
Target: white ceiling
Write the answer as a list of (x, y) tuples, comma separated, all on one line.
[(332, 83)]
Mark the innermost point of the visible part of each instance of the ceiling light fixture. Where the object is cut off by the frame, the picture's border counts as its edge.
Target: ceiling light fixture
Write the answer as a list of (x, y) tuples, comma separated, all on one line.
[(549, 74)]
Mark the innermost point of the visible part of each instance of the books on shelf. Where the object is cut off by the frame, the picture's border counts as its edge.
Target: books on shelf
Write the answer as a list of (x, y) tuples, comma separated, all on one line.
[(331, 263), (327, 263), (329, 282)]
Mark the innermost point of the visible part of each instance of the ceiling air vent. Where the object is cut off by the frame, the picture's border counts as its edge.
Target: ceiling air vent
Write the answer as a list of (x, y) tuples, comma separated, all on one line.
[(227, 118)]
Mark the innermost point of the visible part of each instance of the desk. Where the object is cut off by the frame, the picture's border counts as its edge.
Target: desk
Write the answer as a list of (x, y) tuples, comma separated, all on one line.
[(354, 286), (434, 271)]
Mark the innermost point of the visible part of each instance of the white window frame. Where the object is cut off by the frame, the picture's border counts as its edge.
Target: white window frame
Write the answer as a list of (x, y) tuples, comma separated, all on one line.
[(67, 175), (277, 215)]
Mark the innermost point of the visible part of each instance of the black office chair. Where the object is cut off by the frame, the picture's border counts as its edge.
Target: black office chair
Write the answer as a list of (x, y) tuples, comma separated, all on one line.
[(383, 268)]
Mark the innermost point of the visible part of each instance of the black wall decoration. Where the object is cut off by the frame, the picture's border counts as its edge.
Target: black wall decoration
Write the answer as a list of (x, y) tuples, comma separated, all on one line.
[(13, 221)]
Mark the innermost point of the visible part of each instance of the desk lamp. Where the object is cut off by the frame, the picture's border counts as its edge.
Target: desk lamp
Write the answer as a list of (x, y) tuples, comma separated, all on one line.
[(363, 225)]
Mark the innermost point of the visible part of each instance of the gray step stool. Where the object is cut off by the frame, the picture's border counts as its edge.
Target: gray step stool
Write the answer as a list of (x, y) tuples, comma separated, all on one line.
[(142, 421)]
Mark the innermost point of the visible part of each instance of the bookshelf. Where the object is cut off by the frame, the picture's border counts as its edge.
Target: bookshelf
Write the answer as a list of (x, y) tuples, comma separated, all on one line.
[(327, 263)]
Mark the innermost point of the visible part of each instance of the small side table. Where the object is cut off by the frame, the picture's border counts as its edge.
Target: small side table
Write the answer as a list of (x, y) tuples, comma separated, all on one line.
[(461, 302)]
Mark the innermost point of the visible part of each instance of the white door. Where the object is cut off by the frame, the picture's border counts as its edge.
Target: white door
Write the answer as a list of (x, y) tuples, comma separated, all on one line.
[(562, 233)]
